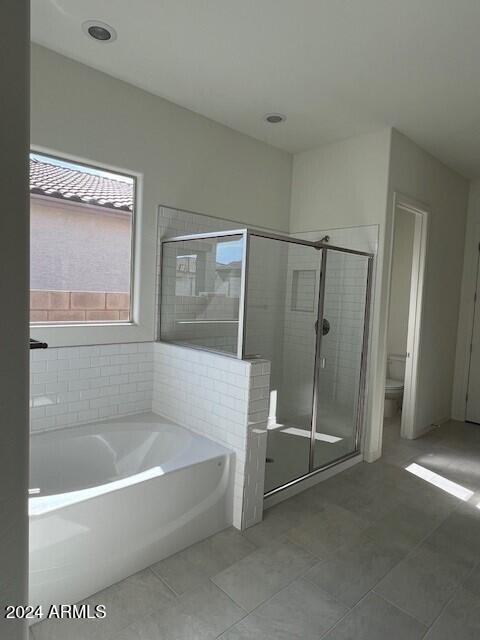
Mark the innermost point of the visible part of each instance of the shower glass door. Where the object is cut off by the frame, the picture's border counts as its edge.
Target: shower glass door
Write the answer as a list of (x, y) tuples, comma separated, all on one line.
[(338, 403), (281, 314), (300, 305)]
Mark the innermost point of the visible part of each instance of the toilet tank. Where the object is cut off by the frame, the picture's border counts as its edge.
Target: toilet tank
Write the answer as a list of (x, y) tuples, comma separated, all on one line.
[(396, 366)]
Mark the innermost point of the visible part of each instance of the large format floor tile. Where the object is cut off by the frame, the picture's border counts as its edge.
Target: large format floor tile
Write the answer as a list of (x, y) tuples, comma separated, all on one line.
[(301, 611), (328, 529), (472, 583), (277, 520), (260, 575), (375, 619), (402, 529), (458, 534), (200, 614), (352, 571), (423, 582), (125, 601), (460, 620), (195, 565), (369, 502)]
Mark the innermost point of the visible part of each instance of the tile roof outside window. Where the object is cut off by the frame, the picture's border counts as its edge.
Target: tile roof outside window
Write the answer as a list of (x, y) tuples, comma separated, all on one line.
[(67, 183)]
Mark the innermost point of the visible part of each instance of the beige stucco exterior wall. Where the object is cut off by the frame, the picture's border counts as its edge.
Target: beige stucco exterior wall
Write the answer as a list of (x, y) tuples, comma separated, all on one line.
[(75, 247)]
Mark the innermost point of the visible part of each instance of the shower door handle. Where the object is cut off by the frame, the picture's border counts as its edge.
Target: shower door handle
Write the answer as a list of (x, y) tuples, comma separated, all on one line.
[(325, 326), (323, 362)]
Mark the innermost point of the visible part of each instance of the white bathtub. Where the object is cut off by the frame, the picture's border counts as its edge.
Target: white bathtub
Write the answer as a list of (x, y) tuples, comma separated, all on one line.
[(110, 498)]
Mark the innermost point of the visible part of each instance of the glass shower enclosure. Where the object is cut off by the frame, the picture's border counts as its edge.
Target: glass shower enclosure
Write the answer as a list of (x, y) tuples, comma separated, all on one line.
[(302, 305)]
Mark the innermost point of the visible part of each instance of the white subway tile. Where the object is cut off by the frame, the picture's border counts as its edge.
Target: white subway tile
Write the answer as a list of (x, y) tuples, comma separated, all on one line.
[(37, 389), (56, 387), (43, 423), (38, 367), (67, 352), (88, 415), (129, 348), (77, 385)]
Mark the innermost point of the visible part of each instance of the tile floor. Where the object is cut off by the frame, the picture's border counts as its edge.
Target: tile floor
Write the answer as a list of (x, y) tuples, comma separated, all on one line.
[(376, 552)]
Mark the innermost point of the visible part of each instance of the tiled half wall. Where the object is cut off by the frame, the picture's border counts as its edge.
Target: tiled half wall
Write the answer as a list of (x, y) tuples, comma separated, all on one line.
[(223, 399)]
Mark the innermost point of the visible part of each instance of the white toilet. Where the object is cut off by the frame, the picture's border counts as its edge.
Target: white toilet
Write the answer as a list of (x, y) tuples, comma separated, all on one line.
[(394, 385)]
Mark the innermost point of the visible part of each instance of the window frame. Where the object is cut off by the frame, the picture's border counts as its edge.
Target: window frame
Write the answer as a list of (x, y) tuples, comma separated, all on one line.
[(135, 329)]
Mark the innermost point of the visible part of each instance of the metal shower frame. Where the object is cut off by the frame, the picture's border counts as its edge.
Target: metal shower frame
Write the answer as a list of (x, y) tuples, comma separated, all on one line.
[(246, 233)]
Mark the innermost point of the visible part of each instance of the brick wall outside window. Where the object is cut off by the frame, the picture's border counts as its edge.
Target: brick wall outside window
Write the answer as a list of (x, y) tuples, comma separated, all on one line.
[(78, 306)]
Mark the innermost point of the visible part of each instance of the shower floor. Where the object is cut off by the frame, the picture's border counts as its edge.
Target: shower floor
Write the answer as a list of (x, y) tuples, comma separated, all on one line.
[(288, 444)]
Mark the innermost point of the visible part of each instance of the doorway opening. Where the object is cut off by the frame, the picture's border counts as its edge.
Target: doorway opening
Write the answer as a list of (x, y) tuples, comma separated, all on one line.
[(407, 274)]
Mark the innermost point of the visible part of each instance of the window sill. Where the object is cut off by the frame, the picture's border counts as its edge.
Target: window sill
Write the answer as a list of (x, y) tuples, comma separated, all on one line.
[(83, 334)]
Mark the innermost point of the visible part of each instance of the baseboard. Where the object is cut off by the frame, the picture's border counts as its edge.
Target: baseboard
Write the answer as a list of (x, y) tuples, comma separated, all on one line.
[(430, 427), (372, 456)]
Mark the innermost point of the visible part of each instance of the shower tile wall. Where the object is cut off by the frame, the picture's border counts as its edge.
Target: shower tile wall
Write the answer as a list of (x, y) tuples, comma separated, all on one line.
[(75, 385), (224, 399), (344, 293), (299, 334), (343, 308), (345, 290), (266, 306)]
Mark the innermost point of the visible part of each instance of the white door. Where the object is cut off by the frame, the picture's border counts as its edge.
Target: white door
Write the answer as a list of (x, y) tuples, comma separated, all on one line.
[(473, 395)]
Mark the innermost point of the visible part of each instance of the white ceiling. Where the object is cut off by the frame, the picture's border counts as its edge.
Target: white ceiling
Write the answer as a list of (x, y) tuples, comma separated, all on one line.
[(336, 68)]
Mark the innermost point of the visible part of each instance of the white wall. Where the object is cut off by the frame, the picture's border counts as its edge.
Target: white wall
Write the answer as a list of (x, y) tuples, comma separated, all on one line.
[(345, 185), (419, 175), (186, 160), (465, 318), (400, 281), (341, 184), (14, 34)]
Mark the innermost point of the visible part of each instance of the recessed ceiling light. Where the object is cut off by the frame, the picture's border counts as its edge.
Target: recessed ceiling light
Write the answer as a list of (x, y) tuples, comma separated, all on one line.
[(99, 31), (275, 118)]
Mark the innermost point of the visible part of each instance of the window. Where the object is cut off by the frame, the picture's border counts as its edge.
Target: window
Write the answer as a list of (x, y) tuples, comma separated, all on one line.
[(81, 231), (201, 287)]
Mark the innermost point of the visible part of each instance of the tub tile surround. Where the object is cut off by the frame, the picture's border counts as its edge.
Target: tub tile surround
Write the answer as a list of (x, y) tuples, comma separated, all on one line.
[(219, 397), (226, 400), (75, 385)]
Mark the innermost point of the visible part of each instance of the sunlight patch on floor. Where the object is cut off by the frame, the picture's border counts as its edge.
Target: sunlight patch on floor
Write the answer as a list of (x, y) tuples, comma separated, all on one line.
[(324, 437), (439, 481)]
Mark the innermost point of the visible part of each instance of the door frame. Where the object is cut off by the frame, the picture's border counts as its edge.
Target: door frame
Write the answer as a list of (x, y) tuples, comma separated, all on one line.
[(474, 320), (361, 390), (421, 212)]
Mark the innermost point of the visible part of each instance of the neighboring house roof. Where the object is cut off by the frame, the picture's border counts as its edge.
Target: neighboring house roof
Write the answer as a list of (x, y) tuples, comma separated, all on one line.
[(55, 181), (236, 264)]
